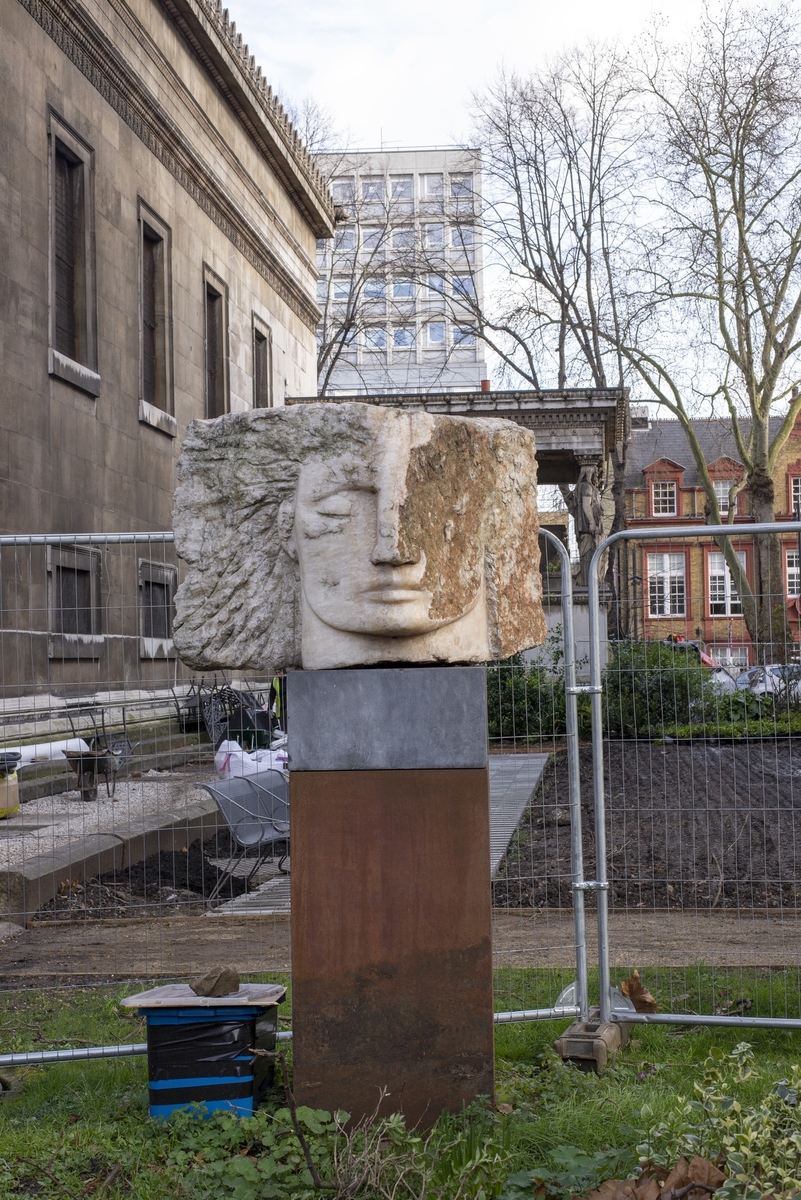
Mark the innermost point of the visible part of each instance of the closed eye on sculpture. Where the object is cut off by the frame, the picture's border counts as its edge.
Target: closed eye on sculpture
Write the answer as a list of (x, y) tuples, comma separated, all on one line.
[(334, 506)]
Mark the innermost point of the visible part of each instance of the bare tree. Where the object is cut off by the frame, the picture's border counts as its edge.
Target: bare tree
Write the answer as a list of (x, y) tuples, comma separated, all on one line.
[(649, 219), (559, 150), (721, 274), (315, 125)]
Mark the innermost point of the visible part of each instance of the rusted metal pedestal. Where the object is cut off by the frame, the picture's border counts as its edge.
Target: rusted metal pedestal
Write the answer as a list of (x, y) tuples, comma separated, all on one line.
[(391, 917)]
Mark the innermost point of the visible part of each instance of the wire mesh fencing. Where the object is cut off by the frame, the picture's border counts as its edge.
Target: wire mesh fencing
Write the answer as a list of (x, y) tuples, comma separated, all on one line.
[(118, 866), (697, 777)]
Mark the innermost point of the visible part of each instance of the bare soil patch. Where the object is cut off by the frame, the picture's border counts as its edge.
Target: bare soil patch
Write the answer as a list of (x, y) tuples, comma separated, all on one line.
[(702, 825)]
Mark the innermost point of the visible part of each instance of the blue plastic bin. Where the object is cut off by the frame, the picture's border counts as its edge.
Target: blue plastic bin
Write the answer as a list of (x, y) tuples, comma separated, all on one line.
[(200, 1050)]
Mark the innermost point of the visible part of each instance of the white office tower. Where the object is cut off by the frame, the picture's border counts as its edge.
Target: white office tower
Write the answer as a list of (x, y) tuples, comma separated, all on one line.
[(400, 286)]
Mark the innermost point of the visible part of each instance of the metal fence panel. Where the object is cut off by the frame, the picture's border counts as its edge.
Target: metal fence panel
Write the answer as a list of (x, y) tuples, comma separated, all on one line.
[(696, 790), (111, 871)]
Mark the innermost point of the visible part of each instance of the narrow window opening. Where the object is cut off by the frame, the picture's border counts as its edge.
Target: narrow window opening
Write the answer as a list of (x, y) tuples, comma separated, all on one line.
[(70, 256), (156, 609), (215, 382), (73, 606), (154, 361), (262, 371)]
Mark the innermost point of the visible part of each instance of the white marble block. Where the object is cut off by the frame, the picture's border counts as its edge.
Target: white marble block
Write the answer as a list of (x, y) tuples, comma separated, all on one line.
[(336, 535)]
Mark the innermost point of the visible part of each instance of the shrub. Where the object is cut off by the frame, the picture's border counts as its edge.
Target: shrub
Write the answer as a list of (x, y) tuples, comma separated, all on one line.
[(648, 685)]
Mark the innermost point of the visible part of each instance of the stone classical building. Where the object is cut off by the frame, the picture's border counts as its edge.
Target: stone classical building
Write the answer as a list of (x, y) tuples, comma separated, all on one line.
[(684, 588), (159, 226), (401, 286)]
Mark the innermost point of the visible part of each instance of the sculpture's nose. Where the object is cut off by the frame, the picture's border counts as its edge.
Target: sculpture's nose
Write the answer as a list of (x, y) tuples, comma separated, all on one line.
[(392, 548)]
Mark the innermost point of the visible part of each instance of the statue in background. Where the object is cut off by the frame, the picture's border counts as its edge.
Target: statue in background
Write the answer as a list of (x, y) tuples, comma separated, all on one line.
[(333, 535), (584, 505)]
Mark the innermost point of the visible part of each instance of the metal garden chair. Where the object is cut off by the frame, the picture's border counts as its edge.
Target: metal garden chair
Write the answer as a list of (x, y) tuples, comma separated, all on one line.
[(256, 810)]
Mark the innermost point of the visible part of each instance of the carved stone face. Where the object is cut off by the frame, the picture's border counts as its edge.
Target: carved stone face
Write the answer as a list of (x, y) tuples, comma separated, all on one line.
[(368, 564), (336, 535)]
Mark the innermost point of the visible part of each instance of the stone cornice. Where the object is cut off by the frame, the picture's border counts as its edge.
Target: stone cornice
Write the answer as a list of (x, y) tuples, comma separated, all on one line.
[(564, 408), (70, 27), (205, 26)]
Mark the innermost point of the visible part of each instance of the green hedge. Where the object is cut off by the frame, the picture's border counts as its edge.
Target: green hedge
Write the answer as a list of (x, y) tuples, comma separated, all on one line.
[(650, 690)]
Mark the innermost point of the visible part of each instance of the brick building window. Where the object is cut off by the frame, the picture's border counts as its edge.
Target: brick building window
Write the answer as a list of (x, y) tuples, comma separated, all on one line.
[(663, 498), (667, 592), (722, 488), (724, 600), (793, 571), (795, 493), (72, 343)]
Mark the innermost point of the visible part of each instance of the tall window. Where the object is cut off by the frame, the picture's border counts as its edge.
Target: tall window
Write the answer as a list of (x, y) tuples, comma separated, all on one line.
[(72, 354), (793, 573), (403, 337), (435, 335), (435, 295), (402, 192), (216, 345), (722, 487), (375, 338), (724, 600), (432, 189), (373, 190), (344, 191), (667, 595), (155, 326), (262, 365), (70, 255), (795, 491), (156, 591), (74, 603), (663, 498), (433, 237)]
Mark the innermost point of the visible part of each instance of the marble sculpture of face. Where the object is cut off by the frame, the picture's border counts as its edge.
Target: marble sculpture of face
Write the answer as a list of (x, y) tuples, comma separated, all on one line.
[(393, 529)]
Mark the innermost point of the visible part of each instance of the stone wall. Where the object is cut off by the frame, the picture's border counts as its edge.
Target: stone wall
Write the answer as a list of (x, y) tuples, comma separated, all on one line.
[(191, 136)]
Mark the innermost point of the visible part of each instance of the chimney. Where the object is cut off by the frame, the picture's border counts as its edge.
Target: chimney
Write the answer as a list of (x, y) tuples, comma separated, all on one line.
[(486, 385)]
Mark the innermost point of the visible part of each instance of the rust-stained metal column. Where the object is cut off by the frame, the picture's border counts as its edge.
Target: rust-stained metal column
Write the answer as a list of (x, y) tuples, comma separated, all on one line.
[(391, 908)]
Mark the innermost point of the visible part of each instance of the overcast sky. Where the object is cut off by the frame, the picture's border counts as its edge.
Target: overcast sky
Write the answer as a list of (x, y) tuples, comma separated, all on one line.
[(402, 73)]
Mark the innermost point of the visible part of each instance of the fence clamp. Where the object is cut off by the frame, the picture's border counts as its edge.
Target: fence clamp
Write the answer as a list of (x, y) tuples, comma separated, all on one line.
[(584, 689), (590, 885)]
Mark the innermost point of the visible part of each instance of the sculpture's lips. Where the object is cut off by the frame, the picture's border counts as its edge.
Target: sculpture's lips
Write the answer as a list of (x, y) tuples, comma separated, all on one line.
[(393, 595)]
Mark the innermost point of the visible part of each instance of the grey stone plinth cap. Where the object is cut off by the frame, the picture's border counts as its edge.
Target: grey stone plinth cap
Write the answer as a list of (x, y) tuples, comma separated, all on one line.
[(387, 719)]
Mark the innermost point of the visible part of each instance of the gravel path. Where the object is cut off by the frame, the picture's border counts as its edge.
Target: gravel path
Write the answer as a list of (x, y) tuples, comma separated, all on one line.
[(53, 822)]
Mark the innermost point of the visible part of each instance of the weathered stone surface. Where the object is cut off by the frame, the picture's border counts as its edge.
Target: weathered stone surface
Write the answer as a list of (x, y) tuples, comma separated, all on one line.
[(219, 981), (337, 535)]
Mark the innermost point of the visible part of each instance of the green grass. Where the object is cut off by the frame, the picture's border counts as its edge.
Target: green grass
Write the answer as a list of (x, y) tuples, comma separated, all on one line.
[(68, 1126)]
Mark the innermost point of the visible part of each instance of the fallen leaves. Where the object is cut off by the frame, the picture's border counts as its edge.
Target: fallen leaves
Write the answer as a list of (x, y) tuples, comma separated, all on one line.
[(695, 1180), (635, 990)]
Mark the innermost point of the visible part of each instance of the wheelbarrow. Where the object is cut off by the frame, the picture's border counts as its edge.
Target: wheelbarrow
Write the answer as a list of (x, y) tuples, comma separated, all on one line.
[(106, 756), (89, 765)]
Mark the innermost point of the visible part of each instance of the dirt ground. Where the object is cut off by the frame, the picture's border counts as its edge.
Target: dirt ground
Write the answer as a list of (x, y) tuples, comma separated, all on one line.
[(174, 947), (704, 866), (713, 826)]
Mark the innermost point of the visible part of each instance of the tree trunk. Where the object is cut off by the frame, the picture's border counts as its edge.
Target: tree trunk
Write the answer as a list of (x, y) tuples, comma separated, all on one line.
[(770, 634)]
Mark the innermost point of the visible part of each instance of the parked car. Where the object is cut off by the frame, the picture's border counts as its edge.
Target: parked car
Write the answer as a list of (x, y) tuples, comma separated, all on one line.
[(724, 679), (770, 678)]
